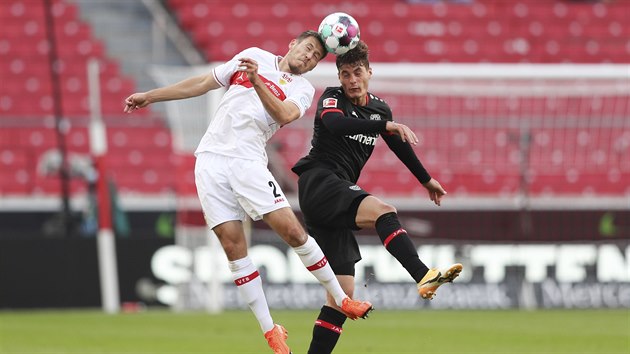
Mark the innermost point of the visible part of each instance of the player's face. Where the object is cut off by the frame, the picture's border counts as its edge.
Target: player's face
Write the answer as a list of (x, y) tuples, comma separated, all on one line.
[(303, 56), (354, 79)]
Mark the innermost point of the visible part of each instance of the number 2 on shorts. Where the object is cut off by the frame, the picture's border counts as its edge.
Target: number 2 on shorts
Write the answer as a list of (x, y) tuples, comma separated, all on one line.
[(275, 191)]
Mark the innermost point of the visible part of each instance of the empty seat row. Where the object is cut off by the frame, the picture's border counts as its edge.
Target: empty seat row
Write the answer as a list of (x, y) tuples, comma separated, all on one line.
[(521, 31), (26, 66)]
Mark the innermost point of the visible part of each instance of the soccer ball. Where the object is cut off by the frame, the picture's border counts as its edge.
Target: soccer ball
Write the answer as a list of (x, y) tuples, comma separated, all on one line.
[(340, 32)]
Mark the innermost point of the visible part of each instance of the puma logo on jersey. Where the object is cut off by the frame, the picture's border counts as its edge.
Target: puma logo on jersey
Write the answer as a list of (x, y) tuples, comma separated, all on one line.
[(239, 78), (330, 102)]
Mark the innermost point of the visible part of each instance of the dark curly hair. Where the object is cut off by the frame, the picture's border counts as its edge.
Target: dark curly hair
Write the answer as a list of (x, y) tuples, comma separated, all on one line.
[(355, 56)]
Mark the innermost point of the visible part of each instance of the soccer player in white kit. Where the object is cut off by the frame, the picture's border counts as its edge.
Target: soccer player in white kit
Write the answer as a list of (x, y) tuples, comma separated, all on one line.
[(265, 92)]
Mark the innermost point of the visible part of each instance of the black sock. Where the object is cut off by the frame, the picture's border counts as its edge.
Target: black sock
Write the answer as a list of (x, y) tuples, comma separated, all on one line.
[(326, 331), (398, 243)]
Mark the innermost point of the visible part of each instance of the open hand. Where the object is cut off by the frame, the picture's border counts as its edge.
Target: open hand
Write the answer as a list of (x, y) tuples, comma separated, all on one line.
[(405, 133), (436, 192)]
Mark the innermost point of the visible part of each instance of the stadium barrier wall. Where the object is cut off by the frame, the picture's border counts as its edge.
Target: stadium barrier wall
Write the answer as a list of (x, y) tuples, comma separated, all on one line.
[(577, 262)]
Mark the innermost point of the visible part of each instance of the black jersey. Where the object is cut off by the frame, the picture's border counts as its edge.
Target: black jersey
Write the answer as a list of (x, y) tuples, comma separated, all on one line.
[(345, 154)]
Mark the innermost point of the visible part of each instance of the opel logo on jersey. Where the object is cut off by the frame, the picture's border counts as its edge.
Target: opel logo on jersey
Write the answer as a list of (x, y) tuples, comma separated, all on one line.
[(375, 116)]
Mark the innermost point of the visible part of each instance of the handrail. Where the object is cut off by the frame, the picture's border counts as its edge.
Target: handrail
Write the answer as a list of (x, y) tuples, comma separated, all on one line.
[(166, 24)]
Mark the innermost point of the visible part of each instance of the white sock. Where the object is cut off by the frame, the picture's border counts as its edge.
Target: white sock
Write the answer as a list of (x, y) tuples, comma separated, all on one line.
[(313, 258), (249, 284)]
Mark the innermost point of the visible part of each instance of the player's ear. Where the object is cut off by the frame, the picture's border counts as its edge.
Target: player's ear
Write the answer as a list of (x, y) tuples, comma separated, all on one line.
[(292, 43)]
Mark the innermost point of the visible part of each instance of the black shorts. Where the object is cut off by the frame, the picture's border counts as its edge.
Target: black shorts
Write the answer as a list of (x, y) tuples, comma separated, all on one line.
[(329, 205)]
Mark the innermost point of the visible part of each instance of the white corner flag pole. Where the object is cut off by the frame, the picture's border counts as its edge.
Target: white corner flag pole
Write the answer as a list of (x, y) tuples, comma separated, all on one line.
[(106, 242)]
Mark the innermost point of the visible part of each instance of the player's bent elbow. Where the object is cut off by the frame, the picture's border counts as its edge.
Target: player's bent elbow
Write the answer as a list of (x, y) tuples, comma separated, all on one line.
[(286, 119)]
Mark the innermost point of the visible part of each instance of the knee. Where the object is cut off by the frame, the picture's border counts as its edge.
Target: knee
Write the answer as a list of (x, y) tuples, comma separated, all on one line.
[(384, 208), (370, 210), (234, 249), (294, 234), (230, 249)]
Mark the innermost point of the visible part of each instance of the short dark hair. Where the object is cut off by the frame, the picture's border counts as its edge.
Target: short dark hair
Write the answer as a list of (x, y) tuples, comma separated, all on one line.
[(314, 34), (358, 55)]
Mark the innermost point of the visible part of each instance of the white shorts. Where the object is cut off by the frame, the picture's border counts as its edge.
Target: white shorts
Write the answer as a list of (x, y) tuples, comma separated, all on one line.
[(230, 188)]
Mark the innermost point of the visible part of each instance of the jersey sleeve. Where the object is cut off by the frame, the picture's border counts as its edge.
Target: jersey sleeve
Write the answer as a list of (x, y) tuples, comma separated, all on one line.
[(224, 72), (328, 102), (389, 117), (338, 122), (302, 95)]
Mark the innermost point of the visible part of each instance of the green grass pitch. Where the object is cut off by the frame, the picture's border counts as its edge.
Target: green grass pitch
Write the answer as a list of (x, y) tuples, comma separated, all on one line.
[(387, 332)]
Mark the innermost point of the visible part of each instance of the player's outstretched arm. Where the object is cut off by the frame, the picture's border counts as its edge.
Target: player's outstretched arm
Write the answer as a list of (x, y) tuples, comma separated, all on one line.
[(191, 87), (407, 155)]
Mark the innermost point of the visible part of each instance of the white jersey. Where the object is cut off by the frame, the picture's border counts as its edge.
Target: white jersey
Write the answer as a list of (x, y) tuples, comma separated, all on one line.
[(241, 125)]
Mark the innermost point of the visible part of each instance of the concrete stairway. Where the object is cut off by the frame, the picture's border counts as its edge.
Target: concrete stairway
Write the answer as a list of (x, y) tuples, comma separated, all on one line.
[(126, 29)]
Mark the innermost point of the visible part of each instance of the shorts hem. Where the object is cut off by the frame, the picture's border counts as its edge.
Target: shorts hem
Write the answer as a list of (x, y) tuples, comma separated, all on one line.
[(272, 209)]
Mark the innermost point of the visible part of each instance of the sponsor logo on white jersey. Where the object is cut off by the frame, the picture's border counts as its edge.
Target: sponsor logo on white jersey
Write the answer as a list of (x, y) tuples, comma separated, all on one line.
[(286, 78)]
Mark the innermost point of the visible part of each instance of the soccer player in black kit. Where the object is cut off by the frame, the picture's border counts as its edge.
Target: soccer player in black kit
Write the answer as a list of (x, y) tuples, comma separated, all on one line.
[(348, 122)]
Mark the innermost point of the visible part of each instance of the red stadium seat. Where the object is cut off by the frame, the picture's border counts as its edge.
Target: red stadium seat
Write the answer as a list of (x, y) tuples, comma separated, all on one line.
[(24, 51), (567, 23), (469, 160)]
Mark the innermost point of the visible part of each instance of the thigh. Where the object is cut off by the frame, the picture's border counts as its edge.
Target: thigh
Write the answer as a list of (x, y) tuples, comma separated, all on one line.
[(218, 201), (256, 190), (326, 199), (339, 246)]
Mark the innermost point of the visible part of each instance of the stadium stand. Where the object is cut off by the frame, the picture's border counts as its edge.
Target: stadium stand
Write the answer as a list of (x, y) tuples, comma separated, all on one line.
[(520, 31), (27, 103), (474, 160), (481, 31), (25, 47)]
